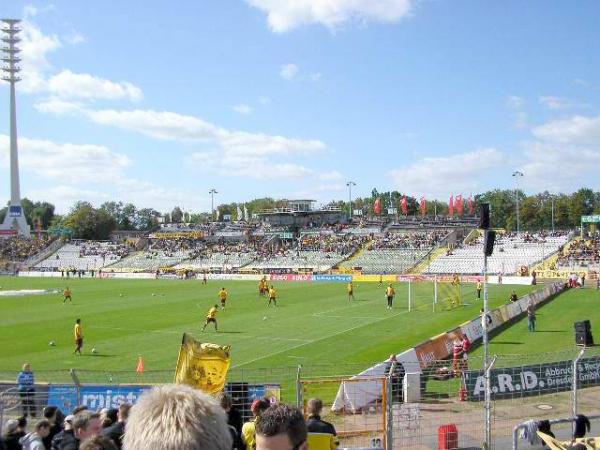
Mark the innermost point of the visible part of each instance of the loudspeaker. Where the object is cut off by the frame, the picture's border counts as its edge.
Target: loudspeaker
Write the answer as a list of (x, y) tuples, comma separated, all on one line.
[(484, 216), (583, 333), (488, 244)]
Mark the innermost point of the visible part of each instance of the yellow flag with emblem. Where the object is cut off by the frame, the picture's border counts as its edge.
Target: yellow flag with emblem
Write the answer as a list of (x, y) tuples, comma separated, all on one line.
[(202, 365)]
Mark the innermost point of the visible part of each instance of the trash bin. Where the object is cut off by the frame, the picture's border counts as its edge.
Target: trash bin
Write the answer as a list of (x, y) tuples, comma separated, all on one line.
[(448, 437)]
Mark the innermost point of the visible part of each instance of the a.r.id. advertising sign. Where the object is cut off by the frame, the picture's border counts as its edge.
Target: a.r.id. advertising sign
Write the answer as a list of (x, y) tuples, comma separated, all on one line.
[(539, 379)]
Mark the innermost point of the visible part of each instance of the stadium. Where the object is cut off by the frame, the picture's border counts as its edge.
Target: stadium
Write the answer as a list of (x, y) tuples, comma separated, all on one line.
[(418, 323)]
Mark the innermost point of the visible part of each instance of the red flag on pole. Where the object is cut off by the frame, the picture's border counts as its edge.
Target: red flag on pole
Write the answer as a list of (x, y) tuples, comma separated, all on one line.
[(404, 206), (460, 205), (377, 206), (451, 206), (423, 207), (471, 206)]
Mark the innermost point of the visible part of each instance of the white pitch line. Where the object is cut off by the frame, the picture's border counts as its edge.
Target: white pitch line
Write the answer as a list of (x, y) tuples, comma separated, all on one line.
[(316, 340), (345, 317), (137, 329), (266, 338)]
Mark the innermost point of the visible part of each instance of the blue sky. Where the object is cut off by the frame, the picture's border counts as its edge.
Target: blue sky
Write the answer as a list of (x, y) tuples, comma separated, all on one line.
[(155, 104)]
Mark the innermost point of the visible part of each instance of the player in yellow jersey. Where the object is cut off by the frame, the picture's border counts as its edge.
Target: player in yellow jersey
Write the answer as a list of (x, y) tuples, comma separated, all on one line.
[(479, 287), (390, 293), (350, 291), (78, 332), (211, 316), (272, 296), (67, 295), (223, 297)]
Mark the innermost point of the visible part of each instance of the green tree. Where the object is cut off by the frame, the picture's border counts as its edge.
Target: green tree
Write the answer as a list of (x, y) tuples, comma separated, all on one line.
[(176, 215), (90, 223)]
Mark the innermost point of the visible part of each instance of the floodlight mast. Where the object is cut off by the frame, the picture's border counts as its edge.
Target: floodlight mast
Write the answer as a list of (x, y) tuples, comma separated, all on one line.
[(15, 218)]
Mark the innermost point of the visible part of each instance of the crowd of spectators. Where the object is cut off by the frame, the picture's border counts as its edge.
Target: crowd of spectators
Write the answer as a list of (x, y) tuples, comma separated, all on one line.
[(171, 246), (17, 249), (584, 253), (419, 241), (331, 243), (104, 249), (174, 417)]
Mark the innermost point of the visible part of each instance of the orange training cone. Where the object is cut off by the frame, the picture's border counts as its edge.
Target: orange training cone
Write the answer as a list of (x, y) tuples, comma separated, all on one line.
[(140, 366)]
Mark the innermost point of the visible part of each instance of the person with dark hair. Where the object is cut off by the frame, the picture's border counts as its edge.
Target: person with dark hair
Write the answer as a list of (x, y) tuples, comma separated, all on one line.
[(26, 386), (281, 427), (98, 442), (234, 419), (320, 431), (117, 429), (55, 417), (211, 317), (33, 440), (249, 429), (582, 426)]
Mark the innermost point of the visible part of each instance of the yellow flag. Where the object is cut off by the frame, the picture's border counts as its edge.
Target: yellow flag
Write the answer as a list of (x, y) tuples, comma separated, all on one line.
[(201, 365)]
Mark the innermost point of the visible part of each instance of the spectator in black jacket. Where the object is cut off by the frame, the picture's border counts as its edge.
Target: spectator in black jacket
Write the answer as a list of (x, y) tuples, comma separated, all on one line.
[(12, 435), (315, 424), (85, 426), (116, 431), (234, 420), (67, 430), (55, 417)]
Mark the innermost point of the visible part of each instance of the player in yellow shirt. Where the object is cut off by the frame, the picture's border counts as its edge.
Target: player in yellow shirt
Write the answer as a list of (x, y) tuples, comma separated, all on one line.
[(211, 316), (390, 293), (78, 332), (67, 295), (350, 291), (272, 296), (479, 286), (223, 296), (262, 287)]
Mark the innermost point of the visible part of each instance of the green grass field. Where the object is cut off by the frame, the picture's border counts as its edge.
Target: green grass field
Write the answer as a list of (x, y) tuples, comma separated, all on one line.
[(313, 323)]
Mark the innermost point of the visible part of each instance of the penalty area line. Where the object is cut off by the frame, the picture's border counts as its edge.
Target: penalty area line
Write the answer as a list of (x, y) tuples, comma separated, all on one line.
[(318, 339)]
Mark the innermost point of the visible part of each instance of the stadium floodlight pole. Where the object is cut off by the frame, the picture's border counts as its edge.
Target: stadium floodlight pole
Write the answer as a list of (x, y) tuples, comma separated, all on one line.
[(14, 219), (516, 175), (350, 184), (552, 197), (212, 193)]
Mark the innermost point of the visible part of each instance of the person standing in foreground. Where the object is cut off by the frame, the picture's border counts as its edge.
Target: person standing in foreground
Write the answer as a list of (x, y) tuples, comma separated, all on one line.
[(531, 316), (390, 293), (78, 332), (211, 317), (249, 428), (26, 386), (281, 427), (33, 440), (176, 417)]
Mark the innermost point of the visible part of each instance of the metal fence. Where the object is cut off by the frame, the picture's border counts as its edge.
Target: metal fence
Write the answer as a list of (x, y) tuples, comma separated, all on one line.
[(397, 410)]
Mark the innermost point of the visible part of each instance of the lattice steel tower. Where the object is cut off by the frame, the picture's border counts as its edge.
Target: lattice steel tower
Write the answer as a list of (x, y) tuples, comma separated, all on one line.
[(15, 218)]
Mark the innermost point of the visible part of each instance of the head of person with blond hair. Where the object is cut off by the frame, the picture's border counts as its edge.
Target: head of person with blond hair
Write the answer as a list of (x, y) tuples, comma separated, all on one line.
[(176, 417)]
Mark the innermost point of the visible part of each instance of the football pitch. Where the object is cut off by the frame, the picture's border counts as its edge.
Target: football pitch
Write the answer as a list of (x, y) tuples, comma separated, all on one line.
[(313, 323)]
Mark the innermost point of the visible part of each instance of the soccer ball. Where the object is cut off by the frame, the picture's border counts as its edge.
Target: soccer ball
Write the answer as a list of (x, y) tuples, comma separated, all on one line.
[(265, 318), (94, 351), (51, 343), (153, 294), (120, 295)]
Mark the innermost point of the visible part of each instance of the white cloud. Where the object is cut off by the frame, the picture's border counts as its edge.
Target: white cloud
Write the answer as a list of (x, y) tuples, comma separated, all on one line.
[(242, 108), (574, 130), (556, 103), (75, 162), (173, 126), (559, 167), (315, 76), (35, 46), (264, 100), (436, 177), (284, 16), (515, 102), (288, 71), (67, 84), (63, 196), (75, 38)]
